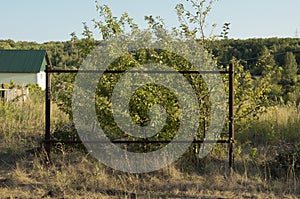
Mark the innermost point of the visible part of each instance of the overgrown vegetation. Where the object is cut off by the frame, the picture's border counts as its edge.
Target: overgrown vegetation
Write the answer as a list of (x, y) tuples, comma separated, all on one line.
[(267, 148), (266, 163)]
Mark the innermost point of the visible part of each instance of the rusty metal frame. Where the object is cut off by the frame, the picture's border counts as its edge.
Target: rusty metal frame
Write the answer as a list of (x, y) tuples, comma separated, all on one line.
[(230, 141)]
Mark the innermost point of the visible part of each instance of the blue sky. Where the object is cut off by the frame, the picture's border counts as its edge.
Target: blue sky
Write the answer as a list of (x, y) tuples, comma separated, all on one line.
[(41, 20)]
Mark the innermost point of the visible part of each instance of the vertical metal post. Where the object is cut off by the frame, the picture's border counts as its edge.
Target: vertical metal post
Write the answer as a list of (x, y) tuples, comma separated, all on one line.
[(231, 117), (47, 112)]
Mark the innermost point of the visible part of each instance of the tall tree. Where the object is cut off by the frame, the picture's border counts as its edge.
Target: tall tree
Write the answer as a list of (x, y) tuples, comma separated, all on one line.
[(250, 94), (266, 68), (289, 75), (265, 63), (289, 78)]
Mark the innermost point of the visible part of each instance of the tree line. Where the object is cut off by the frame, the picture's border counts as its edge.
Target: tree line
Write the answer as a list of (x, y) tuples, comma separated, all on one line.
[(248, 51), (281, 56)]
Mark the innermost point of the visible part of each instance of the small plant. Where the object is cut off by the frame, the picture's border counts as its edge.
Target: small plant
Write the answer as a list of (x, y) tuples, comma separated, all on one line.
[(67, 132), (288, 158)]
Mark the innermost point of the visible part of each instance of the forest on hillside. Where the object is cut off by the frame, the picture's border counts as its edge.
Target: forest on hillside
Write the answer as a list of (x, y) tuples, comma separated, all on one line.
[(67, 53)]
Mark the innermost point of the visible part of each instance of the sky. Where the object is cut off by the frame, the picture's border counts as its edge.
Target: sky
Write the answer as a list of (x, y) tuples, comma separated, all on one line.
[(42, 21)]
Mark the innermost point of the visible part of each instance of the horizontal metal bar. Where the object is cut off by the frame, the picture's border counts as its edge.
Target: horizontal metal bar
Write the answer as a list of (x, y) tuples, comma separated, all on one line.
[(135, 141), (135, 71)]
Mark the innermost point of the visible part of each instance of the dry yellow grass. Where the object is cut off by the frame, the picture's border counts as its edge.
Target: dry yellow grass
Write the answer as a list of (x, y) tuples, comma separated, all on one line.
[(74, 174)]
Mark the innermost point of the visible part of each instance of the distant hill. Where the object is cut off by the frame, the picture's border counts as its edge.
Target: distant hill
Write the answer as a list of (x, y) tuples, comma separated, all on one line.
[(249, 50), (66, 53)]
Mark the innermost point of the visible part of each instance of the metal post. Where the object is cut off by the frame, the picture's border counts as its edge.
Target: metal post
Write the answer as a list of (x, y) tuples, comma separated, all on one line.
[(231, 117), (47, 112)]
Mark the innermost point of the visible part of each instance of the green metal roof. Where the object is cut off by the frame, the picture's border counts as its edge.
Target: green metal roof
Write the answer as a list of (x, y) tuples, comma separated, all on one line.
[(22, 61)]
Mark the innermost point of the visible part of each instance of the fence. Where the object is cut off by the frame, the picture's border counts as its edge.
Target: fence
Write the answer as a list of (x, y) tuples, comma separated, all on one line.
[(14, 94), (230, 140)]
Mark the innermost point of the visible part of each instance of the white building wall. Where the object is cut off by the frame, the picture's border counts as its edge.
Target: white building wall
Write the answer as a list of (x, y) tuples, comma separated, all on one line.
[(24, 78), (41, 79)]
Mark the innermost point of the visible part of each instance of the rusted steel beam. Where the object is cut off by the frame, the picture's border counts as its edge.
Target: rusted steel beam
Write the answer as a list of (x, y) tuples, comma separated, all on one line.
[(137, 71), (48, 108), (136, 141), (231, 117)]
